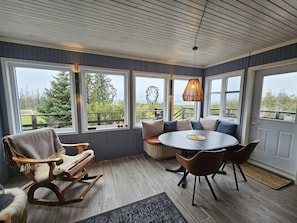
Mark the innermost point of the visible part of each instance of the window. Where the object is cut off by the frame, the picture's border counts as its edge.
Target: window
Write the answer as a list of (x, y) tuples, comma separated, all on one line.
[(39, 95), (183, 109), (105, 99), (215, 97), (150, 100), (232, 99), (279, 97), (224, 96)]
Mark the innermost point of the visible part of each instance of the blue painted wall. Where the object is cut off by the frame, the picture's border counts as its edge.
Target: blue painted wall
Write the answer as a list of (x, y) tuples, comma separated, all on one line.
[(3, 166), (108, 145)]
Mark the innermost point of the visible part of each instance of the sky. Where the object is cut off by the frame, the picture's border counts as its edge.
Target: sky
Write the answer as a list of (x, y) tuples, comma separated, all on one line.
[(39, 79), (34, 79), (281, 82)]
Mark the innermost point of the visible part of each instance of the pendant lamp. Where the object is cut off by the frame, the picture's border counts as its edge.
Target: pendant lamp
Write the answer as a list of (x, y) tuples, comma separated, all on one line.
[(193, 90)]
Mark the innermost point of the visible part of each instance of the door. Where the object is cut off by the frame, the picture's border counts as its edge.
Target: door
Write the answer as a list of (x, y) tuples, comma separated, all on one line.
[(274, 119)]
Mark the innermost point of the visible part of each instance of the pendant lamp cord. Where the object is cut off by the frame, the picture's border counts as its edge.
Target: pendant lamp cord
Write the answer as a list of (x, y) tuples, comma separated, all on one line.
[(200, 24), (195, 47)]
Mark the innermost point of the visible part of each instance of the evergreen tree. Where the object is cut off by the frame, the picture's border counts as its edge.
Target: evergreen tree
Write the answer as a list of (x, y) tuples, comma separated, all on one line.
[(56, 101)]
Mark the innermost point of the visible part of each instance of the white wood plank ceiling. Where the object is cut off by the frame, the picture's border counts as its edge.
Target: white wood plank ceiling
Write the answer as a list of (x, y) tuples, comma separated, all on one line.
[(153, 30)]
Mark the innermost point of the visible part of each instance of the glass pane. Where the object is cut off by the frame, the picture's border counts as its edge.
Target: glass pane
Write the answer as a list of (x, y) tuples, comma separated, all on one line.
[(232, 105), (215, 104), (105, 102), (149, 98), (233, 83), (216, 85), (279, 97), (181, 109), (44, 98)]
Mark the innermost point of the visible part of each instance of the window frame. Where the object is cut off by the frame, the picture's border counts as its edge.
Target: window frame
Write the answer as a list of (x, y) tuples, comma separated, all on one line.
[(11, 95), (223, 92), (83, 108), (166, 106)]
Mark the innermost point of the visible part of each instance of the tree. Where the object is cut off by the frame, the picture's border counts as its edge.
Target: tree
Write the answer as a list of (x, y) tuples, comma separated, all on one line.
[(283, 101), (99, 89), (100, 97), (56, 100), (269, 101), (28, 100)]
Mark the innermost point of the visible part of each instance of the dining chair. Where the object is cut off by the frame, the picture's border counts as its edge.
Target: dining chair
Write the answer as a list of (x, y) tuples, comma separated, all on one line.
[(238, 156), (202, 164)]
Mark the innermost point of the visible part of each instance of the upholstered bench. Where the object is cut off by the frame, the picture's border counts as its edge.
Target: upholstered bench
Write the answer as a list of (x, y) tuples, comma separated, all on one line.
[(151, 131)]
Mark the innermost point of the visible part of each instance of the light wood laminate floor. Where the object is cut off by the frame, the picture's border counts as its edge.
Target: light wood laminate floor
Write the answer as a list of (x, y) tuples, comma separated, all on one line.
[(129, 179)]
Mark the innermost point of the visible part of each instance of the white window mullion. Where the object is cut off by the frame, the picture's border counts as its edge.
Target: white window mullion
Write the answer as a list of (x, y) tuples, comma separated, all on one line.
[(223, 97)]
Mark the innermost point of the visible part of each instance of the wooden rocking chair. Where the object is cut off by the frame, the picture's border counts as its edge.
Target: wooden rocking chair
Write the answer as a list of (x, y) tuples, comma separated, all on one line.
[(41, 157)]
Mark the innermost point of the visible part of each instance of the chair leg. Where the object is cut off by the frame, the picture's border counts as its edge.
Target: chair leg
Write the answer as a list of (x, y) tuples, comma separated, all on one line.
[(213, 193), (223, 164), (241, 172), (194, 192), (234, 171)]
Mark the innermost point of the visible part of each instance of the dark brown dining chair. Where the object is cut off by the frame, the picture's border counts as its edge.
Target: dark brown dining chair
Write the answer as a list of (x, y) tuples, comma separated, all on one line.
[(202, 164), (238, 156)]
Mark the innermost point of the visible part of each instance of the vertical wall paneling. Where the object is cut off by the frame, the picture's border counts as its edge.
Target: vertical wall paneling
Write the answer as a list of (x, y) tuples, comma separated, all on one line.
[(275, 55), (226, 67), (126, 142), (107, 145), (3, 167)]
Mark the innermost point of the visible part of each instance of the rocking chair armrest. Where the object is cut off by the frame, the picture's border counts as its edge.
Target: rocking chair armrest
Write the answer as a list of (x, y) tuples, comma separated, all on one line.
[(79, 146), (58, 161)]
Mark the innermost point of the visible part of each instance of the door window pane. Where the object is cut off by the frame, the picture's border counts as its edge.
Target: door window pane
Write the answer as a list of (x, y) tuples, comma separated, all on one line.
[(279, 97)]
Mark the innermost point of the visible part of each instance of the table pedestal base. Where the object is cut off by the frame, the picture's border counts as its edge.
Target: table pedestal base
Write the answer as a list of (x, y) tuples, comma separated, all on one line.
[(181, 169)]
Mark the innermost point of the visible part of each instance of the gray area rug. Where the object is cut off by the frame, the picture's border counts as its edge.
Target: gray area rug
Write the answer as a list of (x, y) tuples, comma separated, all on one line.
[(158, 208)]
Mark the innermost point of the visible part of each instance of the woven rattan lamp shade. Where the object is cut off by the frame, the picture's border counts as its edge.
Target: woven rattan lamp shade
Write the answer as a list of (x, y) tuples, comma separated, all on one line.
[(193, 91)]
